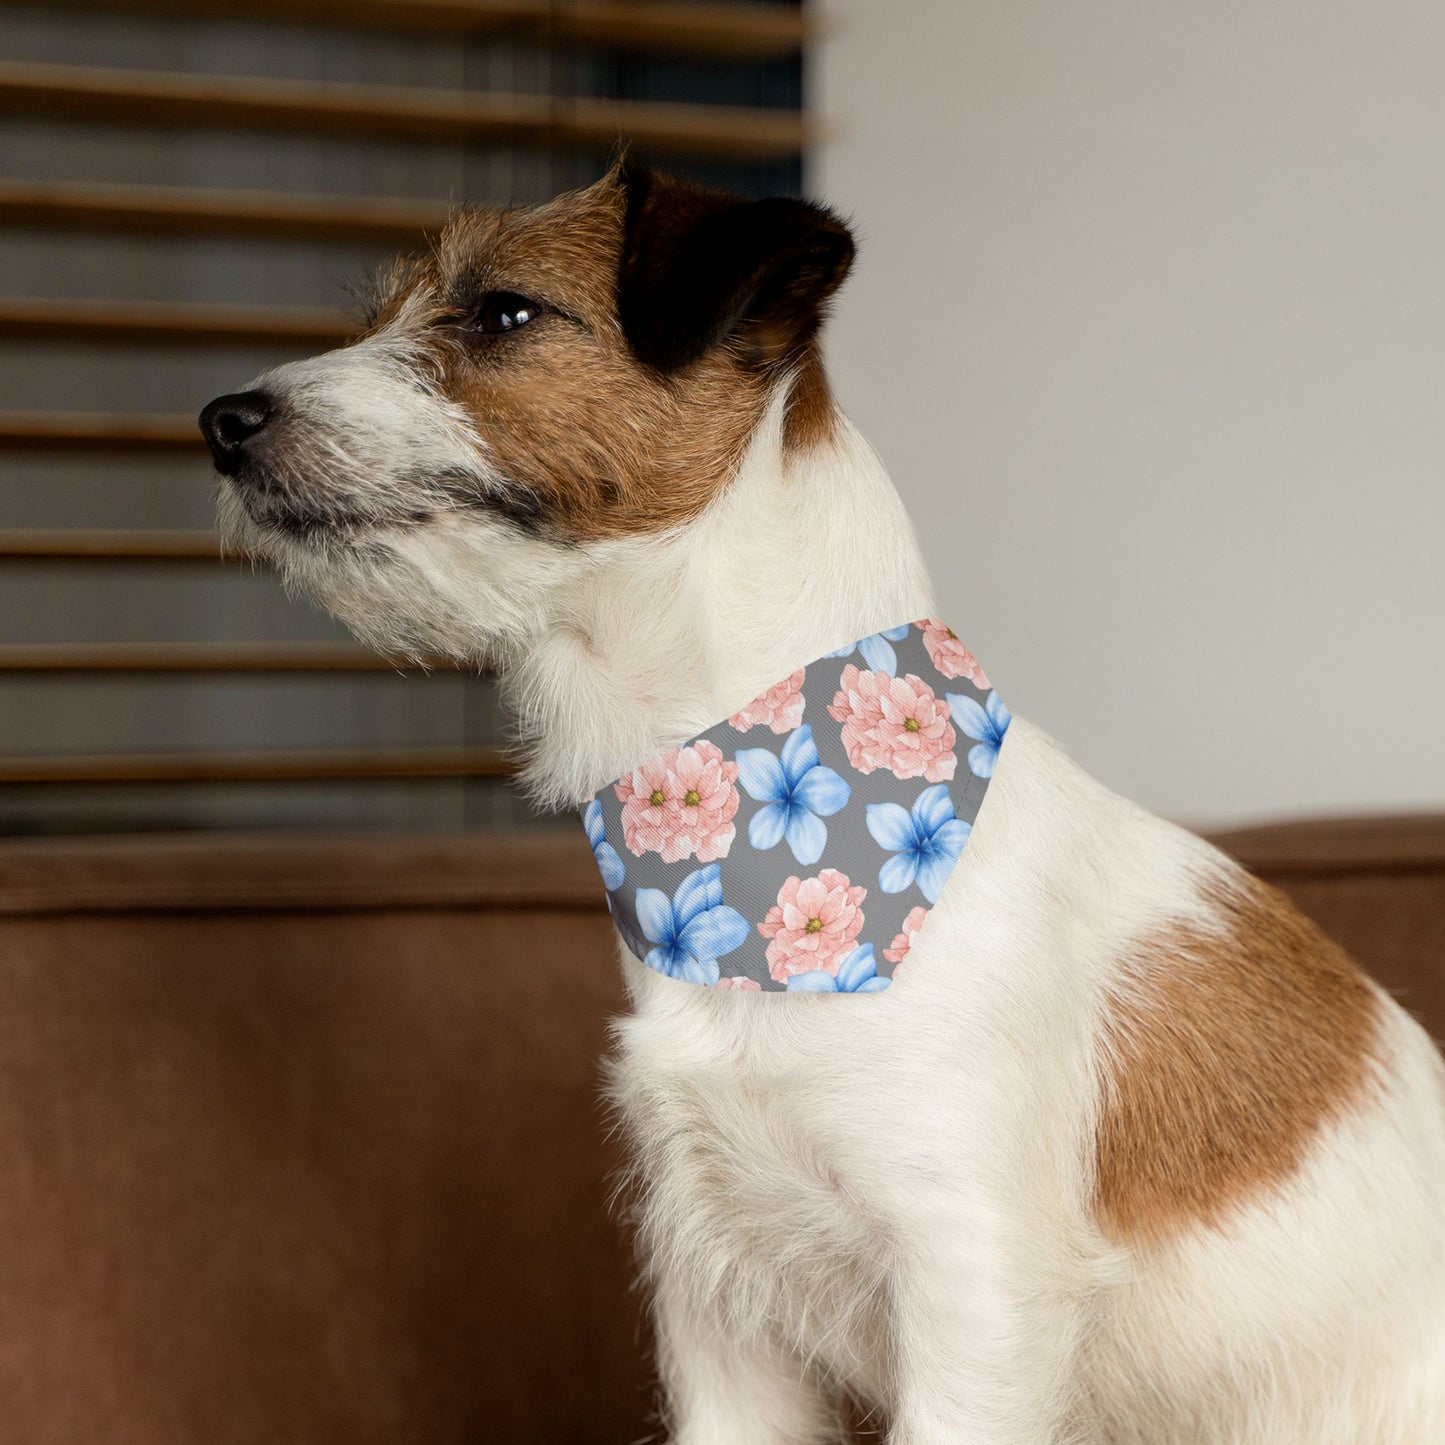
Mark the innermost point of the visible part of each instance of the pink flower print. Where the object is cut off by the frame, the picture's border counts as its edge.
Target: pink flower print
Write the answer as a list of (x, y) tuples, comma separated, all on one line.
[(780, 707), (949, 655), (902, 942), (680, 804), (741, 984), (897, 723), (813, 924)]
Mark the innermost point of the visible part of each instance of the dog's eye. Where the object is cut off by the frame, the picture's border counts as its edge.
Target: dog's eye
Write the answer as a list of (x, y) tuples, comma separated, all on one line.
[(504, 311)]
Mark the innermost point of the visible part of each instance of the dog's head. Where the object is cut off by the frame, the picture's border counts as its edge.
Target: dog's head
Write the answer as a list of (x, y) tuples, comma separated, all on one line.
[(544, 383)]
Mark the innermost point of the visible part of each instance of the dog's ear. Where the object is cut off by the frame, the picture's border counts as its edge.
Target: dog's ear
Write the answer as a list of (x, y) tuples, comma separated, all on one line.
[(700, 266)]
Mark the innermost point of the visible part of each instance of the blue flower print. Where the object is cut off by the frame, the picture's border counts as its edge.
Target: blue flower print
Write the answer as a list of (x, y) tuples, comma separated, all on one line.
[(877, 651), (858, 973), (986, 725), (609, 862), (692, 929), (798, 793), (925, 843)]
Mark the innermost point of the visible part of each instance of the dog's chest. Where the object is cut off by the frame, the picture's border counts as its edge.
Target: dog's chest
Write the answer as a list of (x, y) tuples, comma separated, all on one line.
[(753, 1172)]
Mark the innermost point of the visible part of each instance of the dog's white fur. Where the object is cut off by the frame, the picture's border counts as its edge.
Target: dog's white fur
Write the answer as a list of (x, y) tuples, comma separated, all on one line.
[(892, 1195)]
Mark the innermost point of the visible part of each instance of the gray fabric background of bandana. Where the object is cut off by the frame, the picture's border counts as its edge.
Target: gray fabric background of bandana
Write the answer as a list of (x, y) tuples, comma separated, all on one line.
[(799, 845)]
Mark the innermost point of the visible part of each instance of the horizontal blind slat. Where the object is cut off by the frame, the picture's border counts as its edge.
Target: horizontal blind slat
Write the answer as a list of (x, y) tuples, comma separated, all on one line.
[(193, 657), (271, 766), (708, 28), (85, 431), (93, 544), (218, 102), (177, 211), (171, 323)]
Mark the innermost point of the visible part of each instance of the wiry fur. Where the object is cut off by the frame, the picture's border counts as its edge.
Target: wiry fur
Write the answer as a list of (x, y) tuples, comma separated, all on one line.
[(897, 1196)]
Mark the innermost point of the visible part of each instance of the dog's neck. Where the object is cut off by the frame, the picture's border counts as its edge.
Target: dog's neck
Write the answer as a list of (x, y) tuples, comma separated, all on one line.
[(665, 636)]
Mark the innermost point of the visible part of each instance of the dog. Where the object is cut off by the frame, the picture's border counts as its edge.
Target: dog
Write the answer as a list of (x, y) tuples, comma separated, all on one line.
[(1127, 1152)]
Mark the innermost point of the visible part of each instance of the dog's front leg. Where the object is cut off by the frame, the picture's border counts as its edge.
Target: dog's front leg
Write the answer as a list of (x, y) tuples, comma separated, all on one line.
[(722, 1386), (985, 1337)]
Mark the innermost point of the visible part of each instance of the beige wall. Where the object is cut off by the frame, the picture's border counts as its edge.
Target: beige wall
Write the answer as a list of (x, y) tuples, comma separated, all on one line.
[(1149, 323)]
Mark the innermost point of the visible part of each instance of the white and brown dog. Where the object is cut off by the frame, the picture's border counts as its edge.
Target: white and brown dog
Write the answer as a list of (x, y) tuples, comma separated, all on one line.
[(1132, 1154)]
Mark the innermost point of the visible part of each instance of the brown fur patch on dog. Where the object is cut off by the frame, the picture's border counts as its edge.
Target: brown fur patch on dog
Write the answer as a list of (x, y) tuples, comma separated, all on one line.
[(812, 415), (601, 444), (1226, 1053)]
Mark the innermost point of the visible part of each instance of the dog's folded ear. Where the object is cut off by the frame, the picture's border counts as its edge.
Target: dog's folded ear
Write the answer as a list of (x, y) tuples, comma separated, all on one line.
[(701, 266)]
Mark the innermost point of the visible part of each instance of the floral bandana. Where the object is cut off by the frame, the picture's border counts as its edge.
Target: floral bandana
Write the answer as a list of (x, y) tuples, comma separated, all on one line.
[(799, 845)]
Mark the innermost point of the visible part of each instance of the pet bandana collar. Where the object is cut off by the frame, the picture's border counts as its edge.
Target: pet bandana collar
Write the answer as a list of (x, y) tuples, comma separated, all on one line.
[(799, 845)]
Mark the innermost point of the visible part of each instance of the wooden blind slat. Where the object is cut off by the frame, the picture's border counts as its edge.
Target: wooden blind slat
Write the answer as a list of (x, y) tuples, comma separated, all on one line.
[(171, 323), (271, 766), (759, 32), (78, 431), (751, 31), (172, 211), (83, 544), (188, 657), (218, 102)]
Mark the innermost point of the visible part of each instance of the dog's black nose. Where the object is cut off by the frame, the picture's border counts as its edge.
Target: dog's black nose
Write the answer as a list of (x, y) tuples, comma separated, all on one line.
[(229, 422)]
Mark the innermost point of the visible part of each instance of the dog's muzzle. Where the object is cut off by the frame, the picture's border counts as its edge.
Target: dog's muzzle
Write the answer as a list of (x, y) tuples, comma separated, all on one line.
[(232, 422)]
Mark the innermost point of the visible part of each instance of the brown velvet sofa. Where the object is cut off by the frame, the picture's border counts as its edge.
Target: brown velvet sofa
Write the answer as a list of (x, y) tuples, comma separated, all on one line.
[(302, 1141)]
